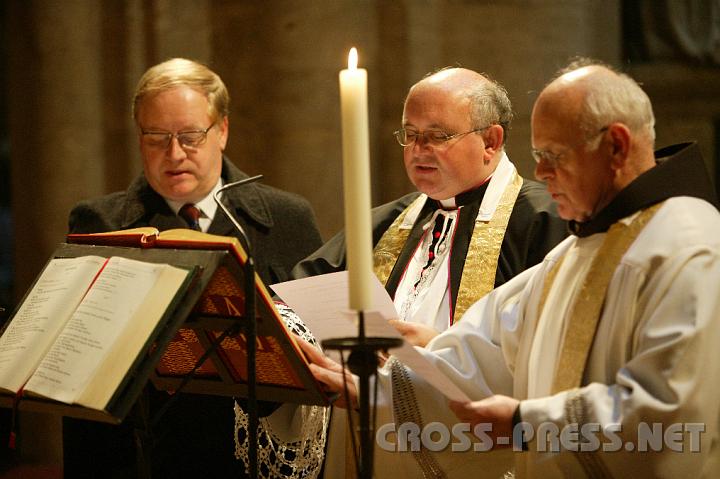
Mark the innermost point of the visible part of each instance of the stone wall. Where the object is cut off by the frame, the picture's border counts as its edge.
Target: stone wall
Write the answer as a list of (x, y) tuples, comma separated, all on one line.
[(74, 64)]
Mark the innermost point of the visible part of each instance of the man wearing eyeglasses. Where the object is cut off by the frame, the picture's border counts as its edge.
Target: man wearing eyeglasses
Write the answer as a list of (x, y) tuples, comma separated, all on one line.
[(181, 112), (598, 361), (474, 222)]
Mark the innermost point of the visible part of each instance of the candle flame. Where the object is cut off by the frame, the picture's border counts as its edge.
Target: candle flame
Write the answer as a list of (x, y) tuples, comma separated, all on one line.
[(352, 59)]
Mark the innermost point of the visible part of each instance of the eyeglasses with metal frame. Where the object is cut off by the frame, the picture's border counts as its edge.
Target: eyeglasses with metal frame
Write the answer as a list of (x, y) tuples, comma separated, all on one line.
[(552, 159), (406, 137), (188, 140)]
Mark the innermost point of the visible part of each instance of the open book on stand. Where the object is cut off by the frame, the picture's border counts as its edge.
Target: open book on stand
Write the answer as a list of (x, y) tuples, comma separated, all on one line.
[(84, 324), (205, 297), (282, 372)]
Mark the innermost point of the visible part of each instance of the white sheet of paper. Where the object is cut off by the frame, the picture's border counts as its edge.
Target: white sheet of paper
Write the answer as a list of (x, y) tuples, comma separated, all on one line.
[(322, 303), (377, 325), (320, 300)]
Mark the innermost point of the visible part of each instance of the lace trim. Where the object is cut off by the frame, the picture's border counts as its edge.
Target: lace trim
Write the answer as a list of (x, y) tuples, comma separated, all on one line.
[(276, 458), (405, 408)]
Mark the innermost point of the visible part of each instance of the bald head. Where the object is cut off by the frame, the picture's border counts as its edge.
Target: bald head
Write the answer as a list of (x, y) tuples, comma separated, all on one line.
[(456, 80), (487, 100), (453, 131), (595, 96), (592, 135)]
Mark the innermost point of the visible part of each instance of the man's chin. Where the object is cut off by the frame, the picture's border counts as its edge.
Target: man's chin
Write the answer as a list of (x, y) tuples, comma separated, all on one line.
[(569, 214), (183, 194), (434, 193)]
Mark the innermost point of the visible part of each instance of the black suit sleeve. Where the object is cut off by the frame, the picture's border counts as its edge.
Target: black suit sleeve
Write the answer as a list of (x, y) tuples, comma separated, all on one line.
[(293, 236), (331, 258), (545, 232), (85, 219)]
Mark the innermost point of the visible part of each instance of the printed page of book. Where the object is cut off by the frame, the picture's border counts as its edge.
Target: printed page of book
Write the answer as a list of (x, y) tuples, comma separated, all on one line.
[(108, 308), (42, 315), (113, 369)]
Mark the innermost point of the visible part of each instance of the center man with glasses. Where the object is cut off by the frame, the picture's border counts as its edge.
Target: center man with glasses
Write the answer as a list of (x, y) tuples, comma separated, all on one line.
[(473, 224)]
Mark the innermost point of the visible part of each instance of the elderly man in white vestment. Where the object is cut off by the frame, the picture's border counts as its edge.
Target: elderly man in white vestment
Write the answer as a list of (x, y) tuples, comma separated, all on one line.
[(616, 334)]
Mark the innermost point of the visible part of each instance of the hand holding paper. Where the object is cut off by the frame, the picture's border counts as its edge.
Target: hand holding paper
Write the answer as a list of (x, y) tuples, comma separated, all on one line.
[(321, 301), (415, 333), (331, 374)]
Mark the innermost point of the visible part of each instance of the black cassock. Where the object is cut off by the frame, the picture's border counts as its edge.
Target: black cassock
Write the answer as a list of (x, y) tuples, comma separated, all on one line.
[(533, 229)]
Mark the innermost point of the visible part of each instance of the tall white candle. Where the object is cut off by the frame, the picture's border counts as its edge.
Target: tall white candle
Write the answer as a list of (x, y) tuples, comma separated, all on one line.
[(356, 182)]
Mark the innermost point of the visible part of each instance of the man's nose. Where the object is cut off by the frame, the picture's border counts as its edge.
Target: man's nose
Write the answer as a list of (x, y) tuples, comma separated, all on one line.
[(175, 150), (422, 143), (543, 171)]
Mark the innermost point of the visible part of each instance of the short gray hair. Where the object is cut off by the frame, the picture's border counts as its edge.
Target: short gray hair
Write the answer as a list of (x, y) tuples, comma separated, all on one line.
[(612, 98), (490, 104)]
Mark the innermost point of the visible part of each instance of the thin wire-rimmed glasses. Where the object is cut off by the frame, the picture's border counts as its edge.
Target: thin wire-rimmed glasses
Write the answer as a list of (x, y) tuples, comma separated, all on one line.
[(188, 140), (552, 159), (406, 137)]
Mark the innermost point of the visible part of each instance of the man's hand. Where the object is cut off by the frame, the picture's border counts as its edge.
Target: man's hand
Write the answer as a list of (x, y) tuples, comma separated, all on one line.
[(414, 333), (331, 375), (497, 410)]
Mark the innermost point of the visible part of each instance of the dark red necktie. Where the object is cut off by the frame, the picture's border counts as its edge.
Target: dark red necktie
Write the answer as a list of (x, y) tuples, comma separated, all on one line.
[(191, 215)]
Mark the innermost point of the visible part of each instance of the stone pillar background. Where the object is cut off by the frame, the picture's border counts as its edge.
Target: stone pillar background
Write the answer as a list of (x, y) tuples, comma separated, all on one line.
[(56, 138), (77, 62)]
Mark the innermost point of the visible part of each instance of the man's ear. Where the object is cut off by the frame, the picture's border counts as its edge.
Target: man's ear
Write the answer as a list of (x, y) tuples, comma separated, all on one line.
[(619, 144), (493, 138), (223, 131)]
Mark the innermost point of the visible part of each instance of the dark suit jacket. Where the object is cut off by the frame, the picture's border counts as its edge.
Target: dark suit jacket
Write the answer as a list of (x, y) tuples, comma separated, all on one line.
[(195, 436), (281, 225)]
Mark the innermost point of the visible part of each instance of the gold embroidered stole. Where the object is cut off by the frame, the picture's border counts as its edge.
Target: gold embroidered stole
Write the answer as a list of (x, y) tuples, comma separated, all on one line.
[(478, 275), (391, 243), (587, 308)]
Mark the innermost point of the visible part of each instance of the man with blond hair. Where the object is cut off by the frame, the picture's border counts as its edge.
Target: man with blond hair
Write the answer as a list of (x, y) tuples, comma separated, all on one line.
[(181, 110)]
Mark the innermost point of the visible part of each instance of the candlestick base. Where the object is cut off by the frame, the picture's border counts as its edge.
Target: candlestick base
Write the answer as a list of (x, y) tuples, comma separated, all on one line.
[(363, 362)]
